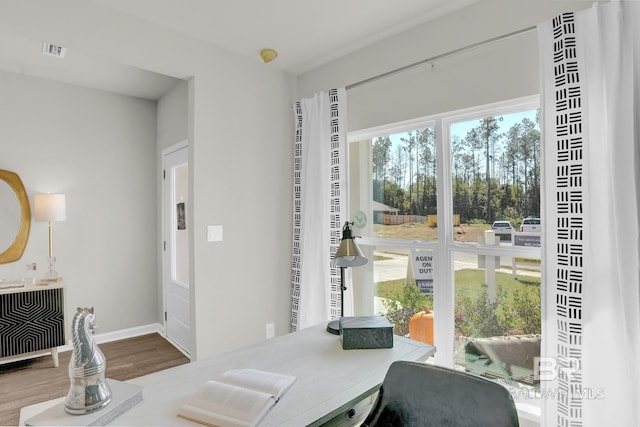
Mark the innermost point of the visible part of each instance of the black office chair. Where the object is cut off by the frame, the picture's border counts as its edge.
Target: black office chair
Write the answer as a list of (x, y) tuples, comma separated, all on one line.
[(420, 395)]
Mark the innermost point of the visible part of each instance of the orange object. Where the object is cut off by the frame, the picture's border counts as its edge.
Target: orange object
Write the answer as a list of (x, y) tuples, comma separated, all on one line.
[(421, 326)]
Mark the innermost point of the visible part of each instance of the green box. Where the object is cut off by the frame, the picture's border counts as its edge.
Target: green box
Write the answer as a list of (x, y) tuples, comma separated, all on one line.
[(365, 332)]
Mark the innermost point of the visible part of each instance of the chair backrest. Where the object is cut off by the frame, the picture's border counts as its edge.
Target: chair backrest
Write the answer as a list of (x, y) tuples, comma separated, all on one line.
[(419, 394)]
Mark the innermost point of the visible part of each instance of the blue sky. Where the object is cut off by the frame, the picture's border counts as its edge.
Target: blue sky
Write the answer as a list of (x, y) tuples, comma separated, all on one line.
[(508, 120), (461, 128)]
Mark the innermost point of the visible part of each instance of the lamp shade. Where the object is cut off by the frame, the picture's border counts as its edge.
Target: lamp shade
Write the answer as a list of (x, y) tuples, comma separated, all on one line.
[(49, 207), (348, 253)]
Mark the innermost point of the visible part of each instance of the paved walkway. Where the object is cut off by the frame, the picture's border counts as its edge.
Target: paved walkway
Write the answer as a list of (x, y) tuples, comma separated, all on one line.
[(394, 266)]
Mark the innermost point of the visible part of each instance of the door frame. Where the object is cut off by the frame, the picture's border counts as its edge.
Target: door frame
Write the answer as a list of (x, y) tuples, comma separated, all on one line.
[(184, 144)]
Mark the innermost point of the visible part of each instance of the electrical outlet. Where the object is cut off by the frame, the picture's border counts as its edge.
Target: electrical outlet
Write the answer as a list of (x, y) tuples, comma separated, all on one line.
[(270, 329)]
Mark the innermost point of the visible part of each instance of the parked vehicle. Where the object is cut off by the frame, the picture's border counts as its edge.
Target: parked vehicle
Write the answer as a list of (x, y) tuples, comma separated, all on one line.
[(531, 225), (502, 229)]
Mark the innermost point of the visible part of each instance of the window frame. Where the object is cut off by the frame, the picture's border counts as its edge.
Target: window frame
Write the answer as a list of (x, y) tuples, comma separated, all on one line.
[(444, 247)]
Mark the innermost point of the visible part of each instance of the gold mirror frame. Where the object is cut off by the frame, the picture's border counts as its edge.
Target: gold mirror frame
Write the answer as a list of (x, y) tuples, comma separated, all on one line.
[(15, 251)]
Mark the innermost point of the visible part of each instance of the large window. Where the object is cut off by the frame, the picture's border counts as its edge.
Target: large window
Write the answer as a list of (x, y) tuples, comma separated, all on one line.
[(448, 208)]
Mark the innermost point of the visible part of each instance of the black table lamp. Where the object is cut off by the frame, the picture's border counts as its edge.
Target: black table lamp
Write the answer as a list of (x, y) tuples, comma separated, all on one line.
[(347, 255)]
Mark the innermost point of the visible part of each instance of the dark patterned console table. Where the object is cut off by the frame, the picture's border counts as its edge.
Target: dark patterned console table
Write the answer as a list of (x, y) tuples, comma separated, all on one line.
[(32, 321)]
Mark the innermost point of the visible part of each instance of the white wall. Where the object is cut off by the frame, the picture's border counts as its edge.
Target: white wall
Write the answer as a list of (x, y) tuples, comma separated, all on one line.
[(240, 131), (242, 171), (173, 117), (99, 149), (502, 71)]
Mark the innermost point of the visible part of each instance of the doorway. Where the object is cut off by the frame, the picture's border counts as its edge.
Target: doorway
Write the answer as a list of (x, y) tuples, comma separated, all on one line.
[(175, 260)]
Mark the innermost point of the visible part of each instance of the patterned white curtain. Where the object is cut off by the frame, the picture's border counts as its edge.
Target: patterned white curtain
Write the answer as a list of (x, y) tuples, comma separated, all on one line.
[(591, 321), (319, 203)]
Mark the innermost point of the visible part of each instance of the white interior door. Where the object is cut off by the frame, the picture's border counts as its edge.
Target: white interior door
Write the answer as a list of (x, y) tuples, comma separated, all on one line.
[(176, 247)]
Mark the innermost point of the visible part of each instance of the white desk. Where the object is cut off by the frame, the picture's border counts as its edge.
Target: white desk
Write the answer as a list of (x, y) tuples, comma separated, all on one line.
[(329, 379)]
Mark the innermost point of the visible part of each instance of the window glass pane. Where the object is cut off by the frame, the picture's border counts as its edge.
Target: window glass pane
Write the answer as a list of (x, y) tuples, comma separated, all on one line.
[(404, 185), (495, 185), (495, 166), (389, 275), (404, 281), (180, 262), (497, 317)]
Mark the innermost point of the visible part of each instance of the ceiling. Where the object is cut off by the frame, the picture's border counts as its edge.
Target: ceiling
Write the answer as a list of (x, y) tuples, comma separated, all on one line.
[(306, 34)]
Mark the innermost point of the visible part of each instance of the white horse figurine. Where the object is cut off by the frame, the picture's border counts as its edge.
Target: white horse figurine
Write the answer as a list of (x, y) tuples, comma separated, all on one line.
[(89, 390)]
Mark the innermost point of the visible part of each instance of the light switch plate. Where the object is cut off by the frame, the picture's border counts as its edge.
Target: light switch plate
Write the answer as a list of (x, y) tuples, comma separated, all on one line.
[(214, 233)]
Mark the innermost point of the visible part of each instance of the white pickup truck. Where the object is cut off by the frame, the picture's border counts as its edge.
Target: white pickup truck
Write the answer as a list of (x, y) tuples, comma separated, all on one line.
[(531, 225)]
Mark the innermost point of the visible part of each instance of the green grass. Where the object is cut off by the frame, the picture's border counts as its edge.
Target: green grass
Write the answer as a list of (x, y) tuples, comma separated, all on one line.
[(468, 283)]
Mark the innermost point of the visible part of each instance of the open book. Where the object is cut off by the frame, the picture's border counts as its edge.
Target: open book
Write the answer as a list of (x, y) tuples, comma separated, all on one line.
[(240, 397)]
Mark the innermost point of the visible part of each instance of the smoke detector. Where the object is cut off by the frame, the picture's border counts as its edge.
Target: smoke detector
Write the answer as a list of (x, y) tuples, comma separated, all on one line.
[(53, 50)]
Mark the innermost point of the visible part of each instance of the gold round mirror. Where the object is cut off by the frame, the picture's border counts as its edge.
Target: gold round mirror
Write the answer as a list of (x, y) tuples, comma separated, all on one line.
[(14, 199)]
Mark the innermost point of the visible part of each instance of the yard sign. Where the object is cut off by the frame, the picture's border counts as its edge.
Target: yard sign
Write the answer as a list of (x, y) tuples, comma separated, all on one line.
[(420, 270)]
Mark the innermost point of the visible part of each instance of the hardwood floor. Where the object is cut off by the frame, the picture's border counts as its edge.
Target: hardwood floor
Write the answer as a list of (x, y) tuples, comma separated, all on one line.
[(36, 380)]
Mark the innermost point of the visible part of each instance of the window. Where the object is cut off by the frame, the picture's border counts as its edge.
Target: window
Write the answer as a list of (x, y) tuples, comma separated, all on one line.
[(404, 185), (440, 202)]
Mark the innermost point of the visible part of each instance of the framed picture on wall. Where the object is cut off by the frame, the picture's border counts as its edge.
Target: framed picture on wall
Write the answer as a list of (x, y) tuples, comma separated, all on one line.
[(180, 215)]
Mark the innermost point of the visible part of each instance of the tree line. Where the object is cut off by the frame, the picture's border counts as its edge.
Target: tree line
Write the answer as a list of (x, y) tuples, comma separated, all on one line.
[(495, 174)]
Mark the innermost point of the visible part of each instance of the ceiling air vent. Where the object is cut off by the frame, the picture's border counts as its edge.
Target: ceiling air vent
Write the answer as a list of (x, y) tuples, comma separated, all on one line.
[(53, 50)]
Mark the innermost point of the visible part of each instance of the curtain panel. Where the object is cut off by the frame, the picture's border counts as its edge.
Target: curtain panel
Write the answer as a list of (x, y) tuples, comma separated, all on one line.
[(319, 206), (591, 288)]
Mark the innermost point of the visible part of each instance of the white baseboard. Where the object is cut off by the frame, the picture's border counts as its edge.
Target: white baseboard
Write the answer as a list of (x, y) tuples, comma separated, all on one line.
[(121, 335), (98, 338), (129, 333)]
